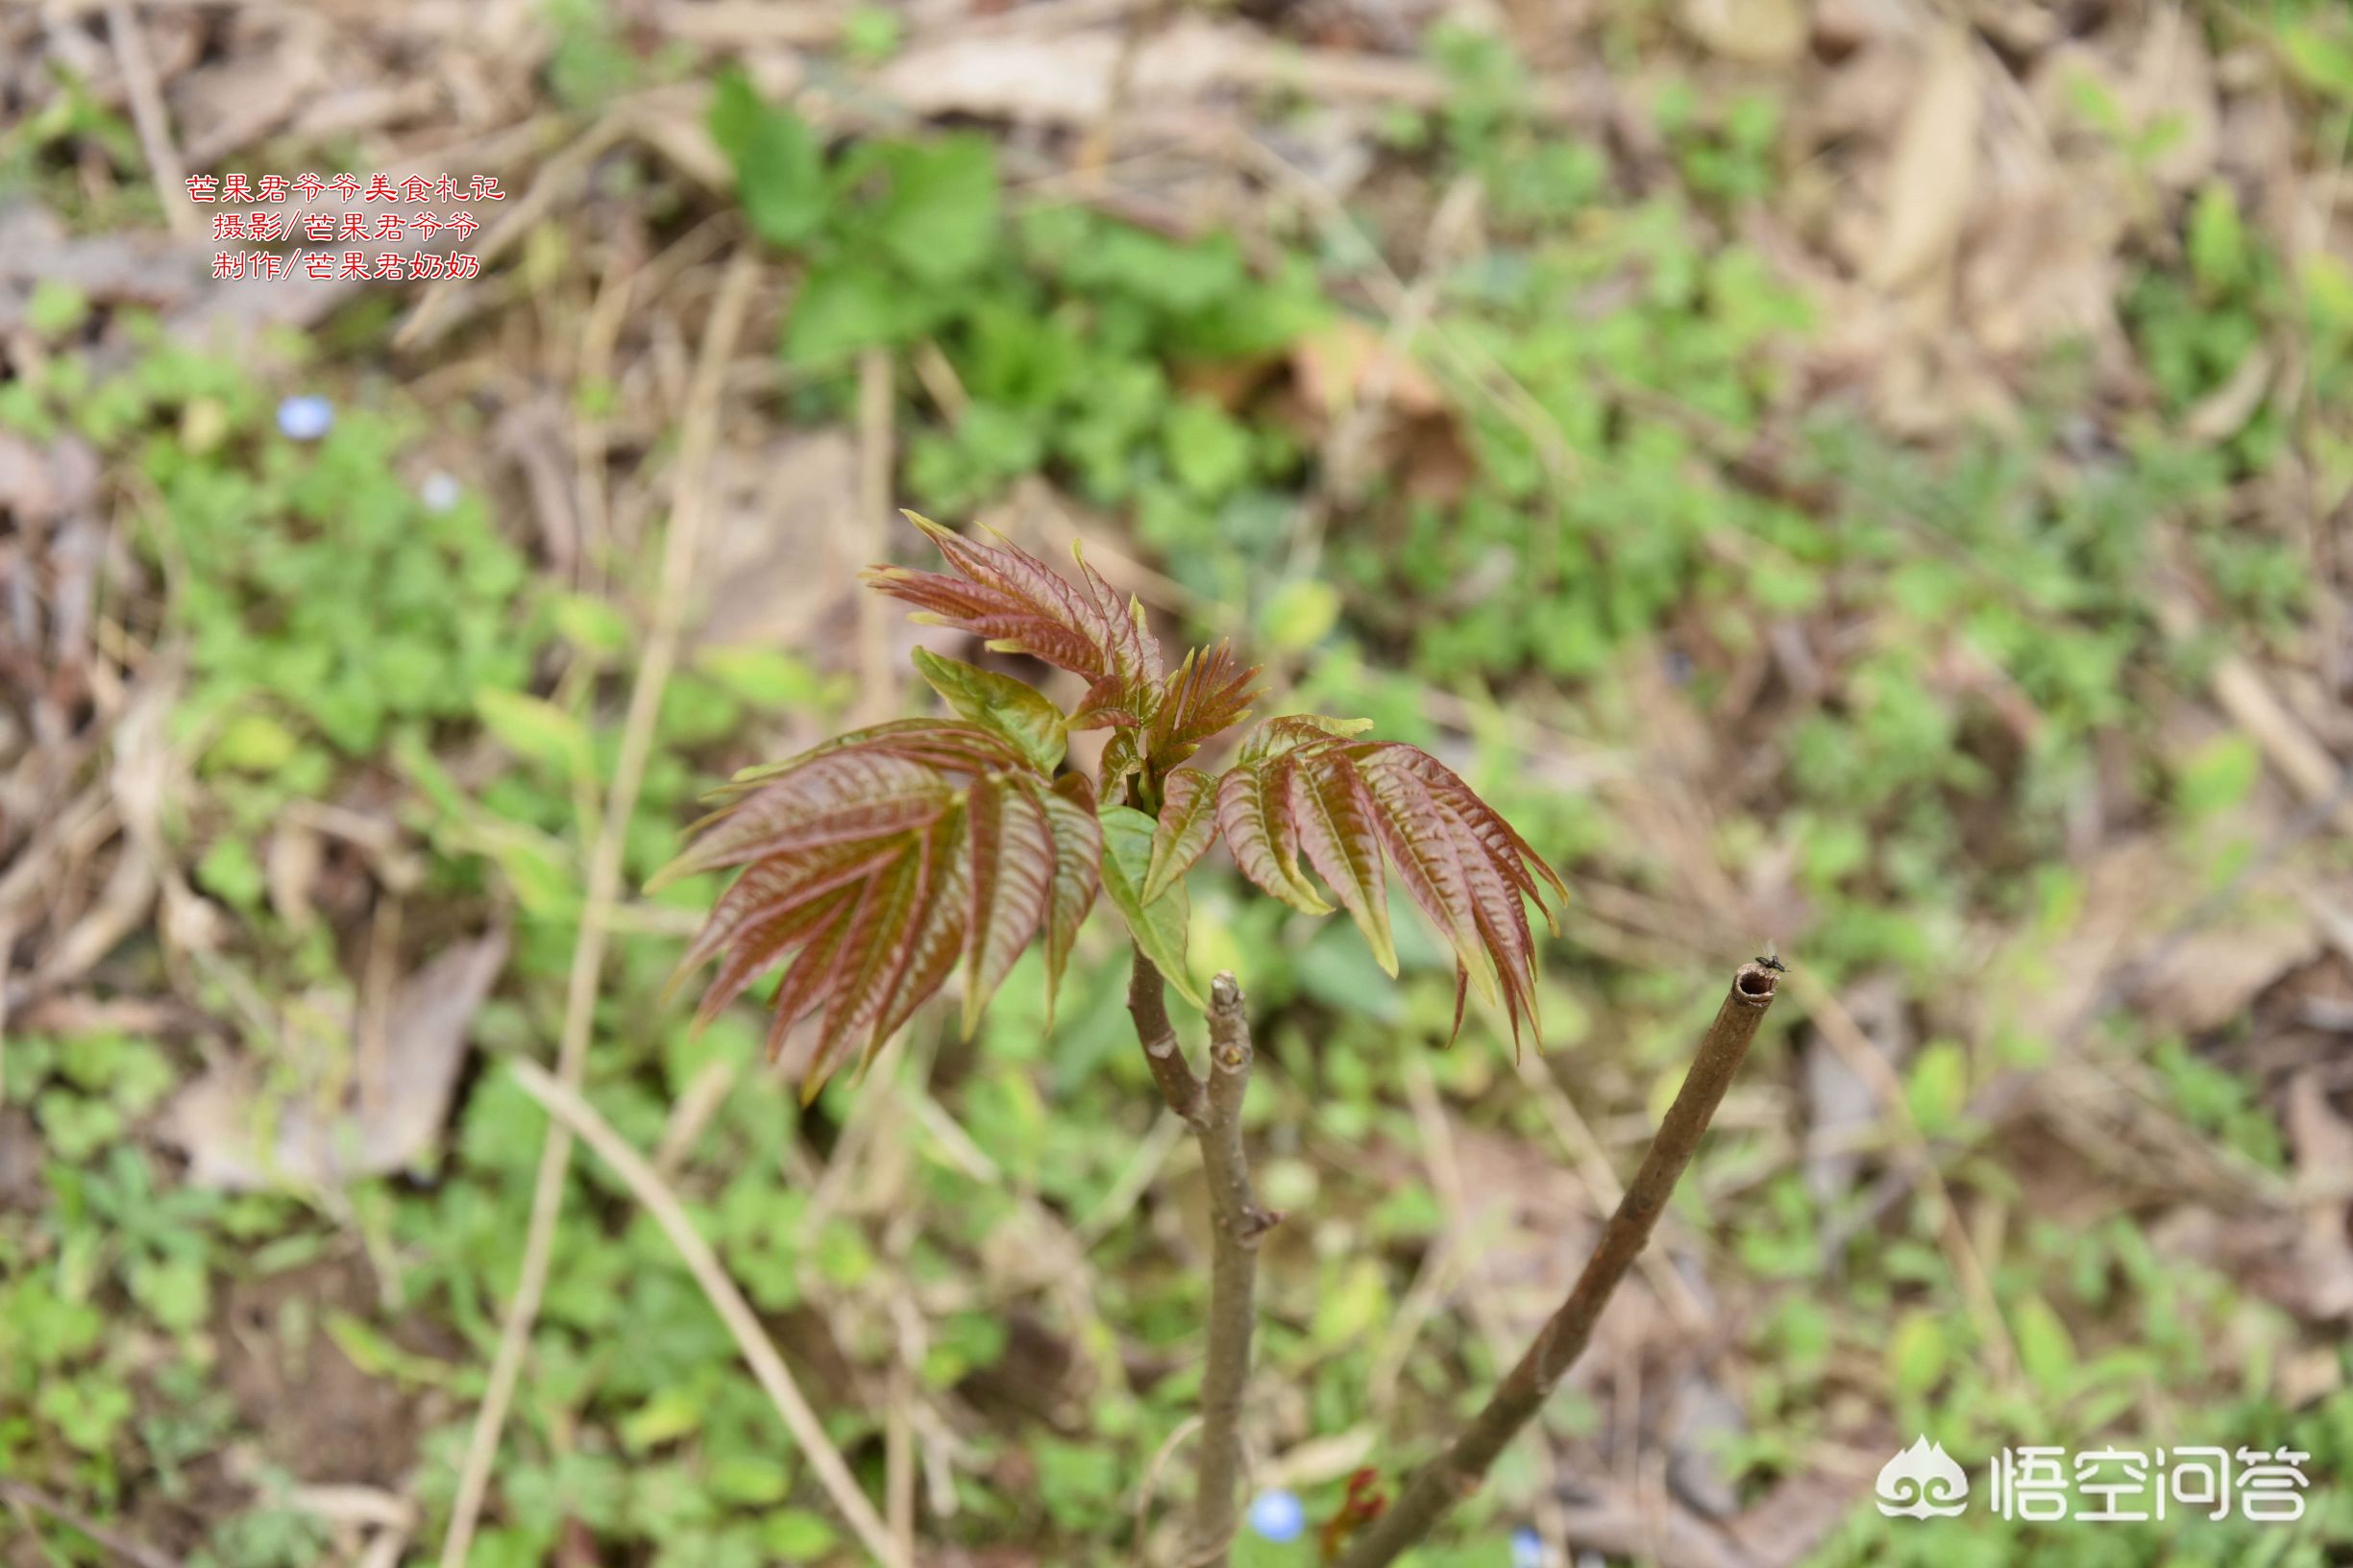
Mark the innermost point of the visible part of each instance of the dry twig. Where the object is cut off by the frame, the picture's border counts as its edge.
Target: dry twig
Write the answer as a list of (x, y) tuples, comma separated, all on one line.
[(692, 509), (578, 1117), (24, 1497)]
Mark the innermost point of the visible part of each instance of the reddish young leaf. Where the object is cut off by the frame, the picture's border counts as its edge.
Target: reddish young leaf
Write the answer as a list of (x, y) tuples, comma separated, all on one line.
[(938, 942), (1256, 823), (1187, 827), (1209, 693), (1510, 853), (835, 799), (878, 947), (1357, 807), (1113, 703), (1070, 808), (1335, 817), (1422, 844), (874, 864), (773, 890), (1363, 1505), (1019, 604), (813, 974), (771, 944), (949, 745), (1012, 877), (1501, 922), (1276, 737)]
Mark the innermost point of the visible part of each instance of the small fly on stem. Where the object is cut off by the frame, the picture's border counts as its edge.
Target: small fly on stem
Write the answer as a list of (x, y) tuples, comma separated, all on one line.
[(1771, 958)]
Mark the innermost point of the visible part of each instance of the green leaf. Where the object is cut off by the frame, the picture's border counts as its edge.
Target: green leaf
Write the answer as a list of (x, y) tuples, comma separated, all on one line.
[(589, 624), (2218, 775), (940, 221), (254, 743), (1938, 1086), (843, 307), (2319, 60), (1916, 1352), (537, 730), (1159, 925), (2046, 1350), (669, 1414), (779, 168), (2216, 238), (797, 1535), (1299, 614), (2328, 293), (1011, 708), (1208, 451)]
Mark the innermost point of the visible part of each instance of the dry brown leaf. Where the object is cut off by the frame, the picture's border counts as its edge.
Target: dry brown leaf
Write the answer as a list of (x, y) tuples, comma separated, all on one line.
[(1787, 1524), (40, 485), (1840, 1104), (2223, 412), (2323, 1144), (1933, 173), (2214, 974), (387, 1122), (1053, 80), (1075, 78), (1758, 32), (237, 100), (1603, 1518), (768, 570), (530, 434), (2041, 986), (291, 868), (2172, 95), (1350, 360)]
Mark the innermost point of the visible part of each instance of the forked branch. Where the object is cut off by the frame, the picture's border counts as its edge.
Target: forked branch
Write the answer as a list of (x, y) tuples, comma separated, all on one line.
[(1457, 1473)]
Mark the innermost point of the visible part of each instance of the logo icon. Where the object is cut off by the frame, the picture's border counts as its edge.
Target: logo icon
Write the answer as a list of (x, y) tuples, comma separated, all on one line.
[(1923, 1482)]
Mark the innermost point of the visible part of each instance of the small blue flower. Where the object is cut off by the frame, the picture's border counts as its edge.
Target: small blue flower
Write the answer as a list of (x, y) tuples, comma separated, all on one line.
[(1527, 1549), (305, 418), (1279, 1516), (440, 492)]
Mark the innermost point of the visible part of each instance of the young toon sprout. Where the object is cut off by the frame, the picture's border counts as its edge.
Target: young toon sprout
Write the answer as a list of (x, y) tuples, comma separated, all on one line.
[(884, 861), (881, 862)]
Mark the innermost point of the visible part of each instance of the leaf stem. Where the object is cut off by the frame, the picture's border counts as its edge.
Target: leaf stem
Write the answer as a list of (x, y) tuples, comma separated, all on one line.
[(1456, 1474)]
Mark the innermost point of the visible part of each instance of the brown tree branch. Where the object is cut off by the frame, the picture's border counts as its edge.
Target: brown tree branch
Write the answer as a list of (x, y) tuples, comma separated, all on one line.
[(1214, 1110), (1148, 1005), (1454, 1474), (1237, 1222)]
